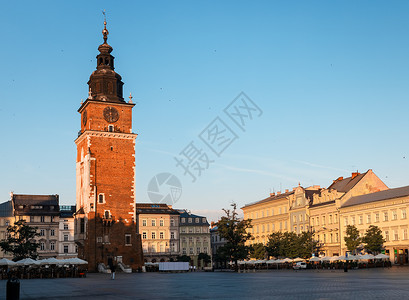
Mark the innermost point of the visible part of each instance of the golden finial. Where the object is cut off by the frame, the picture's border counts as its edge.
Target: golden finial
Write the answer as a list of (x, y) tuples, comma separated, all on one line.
[(105, 30), (130, 98), (89, 94)]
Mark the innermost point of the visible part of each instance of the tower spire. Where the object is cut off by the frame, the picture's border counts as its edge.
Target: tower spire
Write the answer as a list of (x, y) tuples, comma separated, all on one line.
[(105, 31)]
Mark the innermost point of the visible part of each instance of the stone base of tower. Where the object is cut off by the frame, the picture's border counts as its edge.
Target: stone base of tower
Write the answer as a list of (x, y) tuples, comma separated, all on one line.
[(105, 238)]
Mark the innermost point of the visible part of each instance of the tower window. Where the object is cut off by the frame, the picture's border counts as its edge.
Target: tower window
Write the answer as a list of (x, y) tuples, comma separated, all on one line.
[(112, 148), (101, 198), (107, 214), (111, 128)]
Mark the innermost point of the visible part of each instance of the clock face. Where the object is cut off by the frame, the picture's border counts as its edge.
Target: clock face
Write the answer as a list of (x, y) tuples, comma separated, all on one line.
[(111, 115), (84, 117)]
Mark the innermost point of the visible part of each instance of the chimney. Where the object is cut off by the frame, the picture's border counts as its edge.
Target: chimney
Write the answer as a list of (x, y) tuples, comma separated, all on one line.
[(340, 178), (286, 190), (272, 194), (278, 193), (354, 174)]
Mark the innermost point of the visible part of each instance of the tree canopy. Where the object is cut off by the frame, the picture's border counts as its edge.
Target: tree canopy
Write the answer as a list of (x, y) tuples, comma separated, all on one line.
[(292, 245), (258, 251), (234, 231), (20, 241), (373, 239), (352, 238)]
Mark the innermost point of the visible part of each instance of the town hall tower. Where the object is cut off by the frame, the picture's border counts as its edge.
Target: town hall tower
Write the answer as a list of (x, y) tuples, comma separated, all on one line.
[(105, 221)]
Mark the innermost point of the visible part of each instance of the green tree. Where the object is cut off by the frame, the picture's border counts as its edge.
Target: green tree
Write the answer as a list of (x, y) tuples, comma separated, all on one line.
[(352, 238), (205, 258), (184, 258), (373, 239), (273, 244), (20, 241), (234, 231), (257, 251)]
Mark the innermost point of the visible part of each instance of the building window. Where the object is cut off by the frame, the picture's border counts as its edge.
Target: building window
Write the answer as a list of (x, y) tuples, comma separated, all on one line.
[(99, 239), (153, 235), (190, 220), (172, 235), (262, 228), (101, 198), (128, 240), (394, 215), (197, 220), (396, 235), (353, 220), (387, 235), (330, 219), (368, 219), (144, 235), (111, 128), (42, 246), (42, 232), (197, 250), (335, 218), (52, 232), (153, 222), (272, 211), (323, 220), (65, 237), (161, 222), (403, 213), (183, 250), (281, 226), (161, 235), (190, 250), (312, 221), (204, 220), (144, 223), (82, 225), (318, 221), (385, 216), (52, 246), (346, 221), (190, 239), (336, 237), (52, 219), (405, 234), (42, 219), (172, 222), (65, 226), (65, 248), (107, 214), (361, 220), (31, 218), (377, 217), (183, 220)]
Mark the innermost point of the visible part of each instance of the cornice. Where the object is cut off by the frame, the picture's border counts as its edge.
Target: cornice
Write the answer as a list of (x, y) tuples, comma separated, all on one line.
[(88, 101), (96, 133)]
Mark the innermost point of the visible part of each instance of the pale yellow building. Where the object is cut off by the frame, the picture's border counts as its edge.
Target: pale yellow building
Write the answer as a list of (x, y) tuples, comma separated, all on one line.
[(324, 209), (386, 209), (268, 215), (158, 225)]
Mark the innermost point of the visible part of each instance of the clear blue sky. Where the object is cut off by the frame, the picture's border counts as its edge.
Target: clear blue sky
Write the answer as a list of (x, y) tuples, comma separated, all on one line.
[(331, 77)]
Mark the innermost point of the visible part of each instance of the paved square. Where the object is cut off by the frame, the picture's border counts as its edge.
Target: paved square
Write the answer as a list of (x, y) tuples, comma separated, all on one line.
[(284, 284)]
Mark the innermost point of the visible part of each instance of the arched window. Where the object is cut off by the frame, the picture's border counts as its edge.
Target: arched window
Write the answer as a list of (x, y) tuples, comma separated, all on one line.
[(111, 128), (107, 214), (101, 198)]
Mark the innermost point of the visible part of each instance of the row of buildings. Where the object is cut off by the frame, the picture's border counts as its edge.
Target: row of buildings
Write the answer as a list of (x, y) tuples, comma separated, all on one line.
[(361, 200), (166, 233)]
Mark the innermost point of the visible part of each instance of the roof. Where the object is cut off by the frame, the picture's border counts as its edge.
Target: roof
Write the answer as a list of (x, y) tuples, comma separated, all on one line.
[(271, 198), (345, 185), (35, 200), (6, 209), (67, 211), (378, 196), (196, 220), (155, 208)]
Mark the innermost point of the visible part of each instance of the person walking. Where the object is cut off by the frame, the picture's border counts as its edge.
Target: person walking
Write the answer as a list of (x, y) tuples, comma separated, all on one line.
[(112, 267)]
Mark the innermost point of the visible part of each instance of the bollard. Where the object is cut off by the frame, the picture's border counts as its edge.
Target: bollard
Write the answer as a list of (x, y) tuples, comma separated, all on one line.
[(13, 289)]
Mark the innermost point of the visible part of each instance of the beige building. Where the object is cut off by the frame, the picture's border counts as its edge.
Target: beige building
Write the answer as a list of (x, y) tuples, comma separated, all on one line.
[(158, 225), (268, 215), (300, 202), (67, 247), (324, 209), (194, 237), (386, 209)]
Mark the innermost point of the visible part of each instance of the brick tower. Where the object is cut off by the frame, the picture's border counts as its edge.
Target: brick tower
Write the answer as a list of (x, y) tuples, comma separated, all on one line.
[(105, 221)]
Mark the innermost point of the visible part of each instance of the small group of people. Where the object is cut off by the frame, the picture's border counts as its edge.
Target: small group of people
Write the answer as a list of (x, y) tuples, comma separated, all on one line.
[(192, 268)]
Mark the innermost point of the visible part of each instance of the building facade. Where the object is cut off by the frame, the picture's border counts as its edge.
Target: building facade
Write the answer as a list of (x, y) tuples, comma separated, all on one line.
[(158, 225), (386, 209), (216, 242), (43, 212), (194, 237), (6, 219), (67, 247), (105, 221)]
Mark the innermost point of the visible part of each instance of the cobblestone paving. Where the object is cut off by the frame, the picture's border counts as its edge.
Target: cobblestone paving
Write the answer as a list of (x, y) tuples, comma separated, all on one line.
[(284, 284)]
